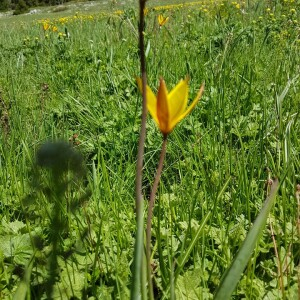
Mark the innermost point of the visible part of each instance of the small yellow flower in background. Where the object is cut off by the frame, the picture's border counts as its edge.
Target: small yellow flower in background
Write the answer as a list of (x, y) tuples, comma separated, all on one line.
[(62, 20), (162, 20), (46, 26), (167, 109), (54, 29)]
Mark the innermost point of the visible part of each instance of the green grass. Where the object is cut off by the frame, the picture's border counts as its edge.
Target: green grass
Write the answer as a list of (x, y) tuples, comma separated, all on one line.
[(247, 122)]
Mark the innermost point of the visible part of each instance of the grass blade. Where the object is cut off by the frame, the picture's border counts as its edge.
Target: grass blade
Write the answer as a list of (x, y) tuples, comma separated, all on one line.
[(183, 259)]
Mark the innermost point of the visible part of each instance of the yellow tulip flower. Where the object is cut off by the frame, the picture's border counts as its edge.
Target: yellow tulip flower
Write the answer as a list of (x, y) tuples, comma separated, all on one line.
[(46, 26), (167, 109), (162, 20)]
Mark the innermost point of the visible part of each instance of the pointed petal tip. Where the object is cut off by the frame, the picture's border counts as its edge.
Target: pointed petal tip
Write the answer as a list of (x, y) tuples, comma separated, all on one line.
[(202, 88), (161, 80), (139, 83), (200, 92)]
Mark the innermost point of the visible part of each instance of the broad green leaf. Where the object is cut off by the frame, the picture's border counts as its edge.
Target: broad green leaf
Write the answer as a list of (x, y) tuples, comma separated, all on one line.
[(234, 273)]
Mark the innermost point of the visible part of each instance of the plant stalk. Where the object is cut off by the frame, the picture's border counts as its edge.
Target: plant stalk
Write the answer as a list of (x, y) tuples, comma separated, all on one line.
[(150, 214), (138, 248)]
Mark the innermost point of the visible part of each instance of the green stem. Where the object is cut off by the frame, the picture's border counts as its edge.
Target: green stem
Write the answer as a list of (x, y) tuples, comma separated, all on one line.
[(150, 214)]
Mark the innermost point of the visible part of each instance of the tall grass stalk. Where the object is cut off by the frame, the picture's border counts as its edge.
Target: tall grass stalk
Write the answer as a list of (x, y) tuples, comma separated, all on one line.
[(138, 250)]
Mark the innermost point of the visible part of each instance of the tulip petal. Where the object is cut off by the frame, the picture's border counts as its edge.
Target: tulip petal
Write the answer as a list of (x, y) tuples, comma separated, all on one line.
[(178, 99), (162, 20), (162, 108), (190, 108), (151, 100)]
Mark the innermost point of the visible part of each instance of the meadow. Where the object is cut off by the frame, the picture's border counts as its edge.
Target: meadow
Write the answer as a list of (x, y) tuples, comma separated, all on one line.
[(70, 115)]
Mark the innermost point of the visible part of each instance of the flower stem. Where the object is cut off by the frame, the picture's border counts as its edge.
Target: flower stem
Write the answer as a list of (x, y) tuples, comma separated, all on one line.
[(150, 214)]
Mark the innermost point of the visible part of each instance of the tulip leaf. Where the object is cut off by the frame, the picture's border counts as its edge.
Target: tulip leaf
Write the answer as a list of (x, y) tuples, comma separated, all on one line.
[(234, 273)]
